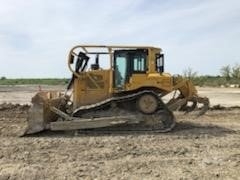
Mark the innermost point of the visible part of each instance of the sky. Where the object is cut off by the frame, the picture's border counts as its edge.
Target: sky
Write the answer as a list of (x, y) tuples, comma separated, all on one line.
[(36, 35)]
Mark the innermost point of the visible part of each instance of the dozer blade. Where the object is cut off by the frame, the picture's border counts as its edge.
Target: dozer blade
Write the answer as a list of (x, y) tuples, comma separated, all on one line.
[(35, 121), (40, 115)]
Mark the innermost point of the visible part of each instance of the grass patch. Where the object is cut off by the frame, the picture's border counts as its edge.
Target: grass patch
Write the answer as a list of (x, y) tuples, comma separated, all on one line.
[(211, 81), (214, 81), (48, 81)]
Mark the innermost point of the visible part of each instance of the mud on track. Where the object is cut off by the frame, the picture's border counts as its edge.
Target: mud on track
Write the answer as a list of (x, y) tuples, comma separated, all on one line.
[(203, 148)]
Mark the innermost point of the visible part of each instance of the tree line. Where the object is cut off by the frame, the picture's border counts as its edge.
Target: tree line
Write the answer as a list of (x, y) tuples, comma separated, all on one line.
[(231, 71), (229, 75)]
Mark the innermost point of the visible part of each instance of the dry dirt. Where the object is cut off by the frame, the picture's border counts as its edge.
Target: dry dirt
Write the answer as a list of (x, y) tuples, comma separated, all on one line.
[(203, 148)]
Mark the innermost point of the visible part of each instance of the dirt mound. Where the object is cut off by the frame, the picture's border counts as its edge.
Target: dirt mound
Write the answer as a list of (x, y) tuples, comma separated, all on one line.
[(202, 148), (15, 107), (220, 107), (13, 119)]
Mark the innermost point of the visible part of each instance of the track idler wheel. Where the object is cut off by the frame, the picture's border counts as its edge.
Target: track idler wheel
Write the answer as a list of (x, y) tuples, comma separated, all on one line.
[(147, 103)]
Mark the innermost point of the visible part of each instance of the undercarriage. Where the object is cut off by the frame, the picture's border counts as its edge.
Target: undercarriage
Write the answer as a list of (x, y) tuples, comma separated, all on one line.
[(141, 111)]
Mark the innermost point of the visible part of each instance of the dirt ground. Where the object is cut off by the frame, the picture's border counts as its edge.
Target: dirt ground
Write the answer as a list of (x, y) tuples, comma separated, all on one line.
[(204, 148)]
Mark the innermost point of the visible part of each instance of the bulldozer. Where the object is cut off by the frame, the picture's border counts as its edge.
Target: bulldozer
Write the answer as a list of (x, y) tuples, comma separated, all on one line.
[(128, 95)]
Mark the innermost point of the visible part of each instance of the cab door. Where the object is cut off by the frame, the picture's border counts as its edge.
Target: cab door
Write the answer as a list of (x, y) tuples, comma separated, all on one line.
[(127, 63), (120, 69)]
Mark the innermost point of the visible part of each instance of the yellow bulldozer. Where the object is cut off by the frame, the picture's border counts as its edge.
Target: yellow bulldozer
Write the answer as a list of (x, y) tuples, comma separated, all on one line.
[(129, 95)]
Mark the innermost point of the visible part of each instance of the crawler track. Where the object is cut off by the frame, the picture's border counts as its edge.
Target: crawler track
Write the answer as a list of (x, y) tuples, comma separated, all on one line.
[(160, 121)]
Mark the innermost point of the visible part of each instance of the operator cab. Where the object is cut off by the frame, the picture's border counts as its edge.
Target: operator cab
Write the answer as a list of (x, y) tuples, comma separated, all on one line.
[(128, 62)]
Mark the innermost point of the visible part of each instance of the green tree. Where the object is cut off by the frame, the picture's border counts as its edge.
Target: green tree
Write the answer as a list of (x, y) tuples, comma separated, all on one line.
[(236, 71), (189, 73), (226, 72)]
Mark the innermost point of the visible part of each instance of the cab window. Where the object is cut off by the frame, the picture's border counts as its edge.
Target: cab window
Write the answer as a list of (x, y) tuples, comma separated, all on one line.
[(139, 62), (159, 63)]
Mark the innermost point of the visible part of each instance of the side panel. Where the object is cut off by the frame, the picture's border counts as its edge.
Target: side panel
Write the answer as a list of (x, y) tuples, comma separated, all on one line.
[(161, 81), (91, 88)]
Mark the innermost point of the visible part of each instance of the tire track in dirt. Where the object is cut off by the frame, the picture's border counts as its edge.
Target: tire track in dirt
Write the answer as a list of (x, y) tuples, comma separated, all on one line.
[(204, 148)]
